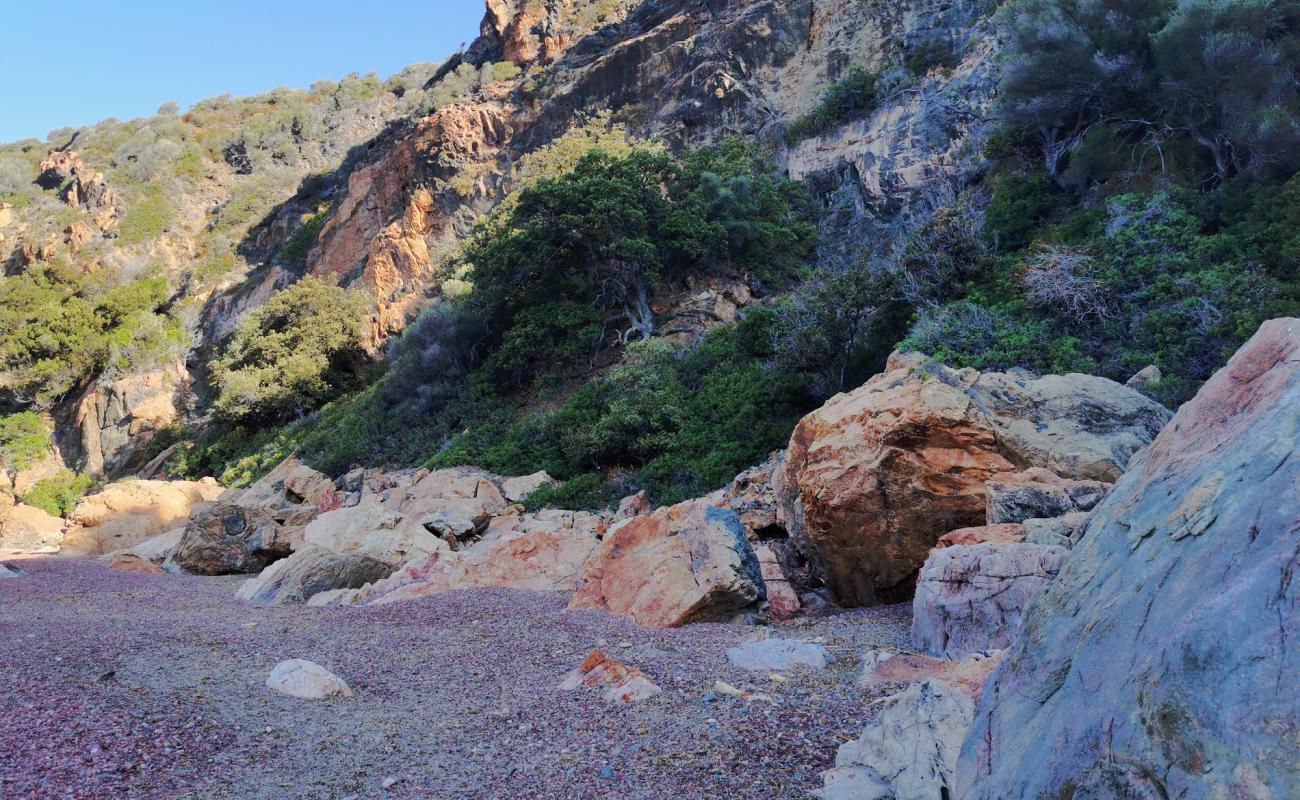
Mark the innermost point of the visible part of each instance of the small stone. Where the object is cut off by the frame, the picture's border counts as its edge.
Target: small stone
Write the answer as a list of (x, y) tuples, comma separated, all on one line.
[(767, 655), (306, 680)]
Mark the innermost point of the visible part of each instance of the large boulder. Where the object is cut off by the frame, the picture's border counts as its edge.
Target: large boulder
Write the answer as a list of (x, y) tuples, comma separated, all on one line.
[(288, 487), (309, 572), (972, 598), (686, 563), (908, 752), (227, 539), (128, 512), (375, 531), (516, 490), (1162, 662), (117, 420), (874, 478), (26, 529)]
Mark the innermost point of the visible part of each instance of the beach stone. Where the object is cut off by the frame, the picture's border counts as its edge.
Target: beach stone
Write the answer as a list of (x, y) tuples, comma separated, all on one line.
[(909, 752), (1170, 635), (778, 655), (686, 563), (309, 572), (617, 682), (306, 680), (7, 571), (228, 539), (130, 562), (972, 598), (455, 523), (874, 477)]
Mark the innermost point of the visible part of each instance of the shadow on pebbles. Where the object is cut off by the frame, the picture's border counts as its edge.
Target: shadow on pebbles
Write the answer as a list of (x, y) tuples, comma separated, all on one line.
[(126, 685)]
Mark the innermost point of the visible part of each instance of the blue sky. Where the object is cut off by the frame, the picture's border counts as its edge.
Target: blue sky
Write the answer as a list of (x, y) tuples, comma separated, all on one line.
[(75, 62)]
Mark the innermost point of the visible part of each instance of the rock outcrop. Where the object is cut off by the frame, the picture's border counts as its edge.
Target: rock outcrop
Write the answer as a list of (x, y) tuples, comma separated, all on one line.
[(1040, 494), (1162, 661), (690, 562), (909, 752), (873, 478), (617, 682), (128, 512), (309, 572), (117, 420), (972, 598), (26, 529), (229, 540)]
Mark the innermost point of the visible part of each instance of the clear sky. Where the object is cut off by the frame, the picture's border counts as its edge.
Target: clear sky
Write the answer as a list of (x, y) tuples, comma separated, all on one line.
[(75, 62)]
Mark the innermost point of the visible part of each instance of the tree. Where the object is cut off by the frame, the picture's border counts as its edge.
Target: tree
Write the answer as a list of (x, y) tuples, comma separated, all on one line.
[(291, 355)]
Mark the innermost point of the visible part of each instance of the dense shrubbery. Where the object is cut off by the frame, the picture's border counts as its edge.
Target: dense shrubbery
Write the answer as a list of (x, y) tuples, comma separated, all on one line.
[(291, 355), (24, 440), (58, 495), (850, 96)]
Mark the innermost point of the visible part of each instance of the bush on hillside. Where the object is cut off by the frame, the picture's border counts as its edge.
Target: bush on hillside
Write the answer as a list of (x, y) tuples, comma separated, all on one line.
[(853, 95), (24, 440), (291, 355), (58, 495)]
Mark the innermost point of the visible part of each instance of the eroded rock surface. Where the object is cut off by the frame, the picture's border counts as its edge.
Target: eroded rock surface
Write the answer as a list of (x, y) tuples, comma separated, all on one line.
[(1162, 661), (128, 512), (227, 539), (307, 573)]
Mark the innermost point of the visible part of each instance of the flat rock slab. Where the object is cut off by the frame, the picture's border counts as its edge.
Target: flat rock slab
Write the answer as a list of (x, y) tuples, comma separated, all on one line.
[(306, 680), (778, 655)]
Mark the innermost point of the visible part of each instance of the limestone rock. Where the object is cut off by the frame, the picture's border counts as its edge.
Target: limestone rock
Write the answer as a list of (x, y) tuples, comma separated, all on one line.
[(617, 682), (690, 562), (229, 539), (1169, 636), (516, 490), (1040, 494), (972, 598), (309, 572), (27, 529), (125, 513), (778, 655), (909, 752), (874, 478), (306, 680)]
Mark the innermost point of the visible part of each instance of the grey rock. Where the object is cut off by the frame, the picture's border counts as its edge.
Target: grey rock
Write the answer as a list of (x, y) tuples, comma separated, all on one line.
[(778, 655), (309, 572), (1163, 662), (972, 598), (226, 539), (1062, 531), (909, 752), (1040, 494)]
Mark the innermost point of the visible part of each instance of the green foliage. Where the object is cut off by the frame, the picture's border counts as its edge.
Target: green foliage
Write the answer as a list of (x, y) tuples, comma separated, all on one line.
[(58, 495), (291, 355), (584, 491), (147, 218), (1018, 205), (933, 51), (294, 252), (504, 71), (24, 440), (853, 95)]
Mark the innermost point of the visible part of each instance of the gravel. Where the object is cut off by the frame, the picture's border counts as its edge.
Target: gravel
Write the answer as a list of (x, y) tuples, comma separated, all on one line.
[(127, 685)]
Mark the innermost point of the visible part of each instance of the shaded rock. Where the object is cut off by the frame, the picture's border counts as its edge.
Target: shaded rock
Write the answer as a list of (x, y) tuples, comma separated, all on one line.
[(1162, 661), (885, 667), (909, 752), (752, 495), (117, 420), (155, 549), (228, 539), (8, 571), (456, 523), (123, 514), (972, 598), (983, 534), (309, 572), (690, 562), (617, 682), (306, 680), (874, 478), (634, 505), (1040, 494), (291, 484), (516, 490), (27, 529), (782, 597), (778, 655), (1146, 379)]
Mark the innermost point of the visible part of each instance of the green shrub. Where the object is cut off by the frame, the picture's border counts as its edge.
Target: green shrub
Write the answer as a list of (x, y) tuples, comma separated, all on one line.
[(503, 71), (1019, 204), (853, 95), (58, 495), (148, 218), (291, 355), (295, 250), (583, 491), (933, 51), (24, 440)]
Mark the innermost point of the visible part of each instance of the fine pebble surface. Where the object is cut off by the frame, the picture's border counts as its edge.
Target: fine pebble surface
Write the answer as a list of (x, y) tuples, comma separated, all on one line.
[(129, 685)]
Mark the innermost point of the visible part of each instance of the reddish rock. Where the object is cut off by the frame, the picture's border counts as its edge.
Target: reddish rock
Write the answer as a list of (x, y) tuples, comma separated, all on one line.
[(874, 478), (686, 563), (782, 598), (1005, 532), (129, 562), (969, 674), (123, 514), (617, 682)]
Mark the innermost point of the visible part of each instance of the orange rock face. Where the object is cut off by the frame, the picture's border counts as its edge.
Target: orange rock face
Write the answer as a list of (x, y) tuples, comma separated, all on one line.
[(618, 682), (875, 477), (686, 563), (1004, 532)]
